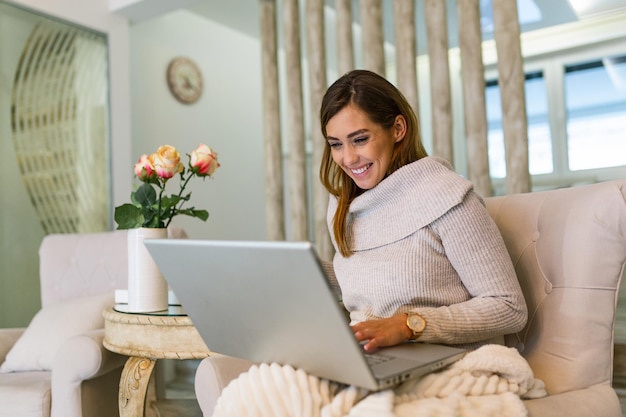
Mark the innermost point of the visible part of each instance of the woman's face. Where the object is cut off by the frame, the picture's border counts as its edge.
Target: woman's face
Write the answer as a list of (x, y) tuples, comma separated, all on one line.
[(362, 148)]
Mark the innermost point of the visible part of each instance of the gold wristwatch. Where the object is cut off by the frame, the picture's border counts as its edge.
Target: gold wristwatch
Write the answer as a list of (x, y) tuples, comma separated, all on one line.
[(416, 324)]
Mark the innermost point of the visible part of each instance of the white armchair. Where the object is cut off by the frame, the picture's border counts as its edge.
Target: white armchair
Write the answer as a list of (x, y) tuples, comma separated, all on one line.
[(569, 251), (57, 366)]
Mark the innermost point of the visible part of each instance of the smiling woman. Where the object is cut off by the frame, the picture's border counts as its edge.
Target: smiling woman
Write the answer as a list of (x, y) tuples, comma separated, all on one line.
[(418, 256)]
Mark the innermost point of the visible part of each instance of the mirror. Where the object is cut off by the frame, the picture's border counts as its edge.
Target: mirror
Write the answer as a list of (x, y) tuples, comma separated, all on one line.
[(54, 136)]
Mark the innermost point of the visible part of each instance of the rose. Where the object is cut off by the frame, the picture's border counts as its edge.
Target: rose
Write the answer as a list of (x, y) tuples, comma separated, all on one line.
[(166, 162), (203, 161), (149, 208), (144, 169)]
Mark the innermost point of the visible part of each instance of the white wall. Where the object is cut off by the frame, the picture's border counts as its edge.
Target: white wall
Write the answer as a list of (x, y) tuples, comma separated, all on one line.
[(227, 117)]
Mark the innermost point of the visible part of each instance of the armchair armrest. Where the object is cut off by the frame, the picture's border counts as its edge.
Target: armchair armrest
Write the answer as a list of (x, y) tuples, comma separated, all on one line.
[(8, 337), (84, 357), (79, 358), (213, 375)]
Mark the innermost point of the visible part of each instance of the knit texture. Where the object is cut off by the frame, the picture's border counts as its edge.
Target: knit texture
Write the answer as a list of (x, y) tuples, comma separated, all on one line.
[(488, 382), (423, 241)]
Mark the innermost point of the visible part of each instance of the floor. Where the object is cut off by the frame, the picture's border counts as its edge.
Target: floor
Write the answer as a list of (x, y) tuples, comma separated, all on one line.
[(619, 382), (622, 399), (179, 398)]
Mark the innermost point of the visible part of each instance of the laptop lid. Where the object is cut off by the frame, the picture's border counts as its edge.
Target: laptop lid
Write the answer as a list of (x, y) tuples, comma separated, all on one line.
[(267, 301)]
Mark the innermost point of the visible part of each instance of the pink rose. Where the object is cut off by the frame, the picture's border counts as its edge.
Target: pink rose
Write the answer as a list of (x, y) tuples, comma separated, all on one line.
[(166, 162), (143, 168), (203, 161)]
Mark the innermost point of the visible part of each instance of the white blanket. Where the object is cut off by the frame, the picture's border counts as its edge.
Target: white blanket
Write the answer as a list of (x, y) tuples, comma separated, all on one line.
[(490, 381)]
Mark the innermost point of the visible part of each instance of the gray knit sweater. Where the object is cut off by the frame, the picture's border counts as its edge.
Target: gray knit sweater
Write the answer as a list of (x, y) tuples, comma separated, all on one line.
[(423, 241)]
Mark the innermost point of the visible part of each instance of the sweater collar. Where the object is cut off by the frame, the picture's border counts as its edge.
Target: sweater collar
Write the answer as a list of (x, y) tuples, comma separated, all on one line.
[(409, 199)]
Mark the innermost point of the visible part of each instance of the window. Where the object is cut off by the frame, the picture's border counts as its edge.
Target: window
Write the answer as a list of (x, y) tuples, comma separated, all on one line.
[(595, 102), (579, 129), (539, 138)]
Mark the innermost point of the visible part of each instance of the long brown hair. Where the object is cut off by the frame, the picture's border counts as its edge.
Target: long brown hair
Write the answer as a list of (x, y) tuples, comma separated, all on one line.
[(382, 102)]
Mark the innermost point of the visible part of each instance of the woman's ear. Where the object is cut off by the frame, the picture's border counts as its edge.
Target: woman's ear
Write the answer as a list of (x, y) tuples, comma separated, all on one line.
[(399, 128)]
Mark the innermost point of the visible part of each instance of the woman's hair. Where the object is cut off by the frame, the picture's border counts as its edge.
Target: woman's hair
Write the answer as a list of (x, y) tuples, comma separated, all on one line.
[(382, 102)]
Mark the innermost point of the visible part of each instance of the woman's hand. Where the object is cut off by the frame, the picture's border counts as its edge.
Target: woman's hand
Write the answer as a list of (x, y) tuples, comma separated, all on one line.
[(384, 332)]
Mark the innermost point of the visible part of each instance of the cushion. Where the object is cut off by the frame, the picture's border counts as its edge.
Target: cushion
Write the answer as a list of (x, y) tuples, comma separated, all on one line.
[(25, 394), (51, 326)]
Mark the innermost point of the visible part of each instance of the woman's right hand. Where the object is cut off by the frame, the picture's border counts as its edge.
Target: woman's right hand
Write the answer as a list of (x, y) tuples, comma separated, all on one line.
[(382, 332)]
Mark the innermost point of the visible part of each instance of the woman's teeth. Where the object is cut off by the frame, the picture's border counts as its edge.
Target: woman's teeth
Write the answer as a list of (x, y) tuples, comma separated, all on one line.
[(360, 170)]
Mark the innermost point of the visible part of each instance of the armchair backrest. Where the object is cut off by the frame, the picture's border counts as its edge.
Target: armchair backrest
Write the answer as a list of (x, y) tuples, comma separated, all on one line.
[(84, 264), (569, 250)]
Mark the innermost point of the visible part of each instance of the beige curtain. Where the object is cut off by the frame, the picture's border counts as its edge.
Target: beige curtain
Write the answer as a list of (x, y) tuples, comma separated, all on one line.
[(345, 46), (317, 81), (303, 177), (373, 39), (406, 49), (511, 82), (472, 74), (440, 96), (295, 121), (274, 202)]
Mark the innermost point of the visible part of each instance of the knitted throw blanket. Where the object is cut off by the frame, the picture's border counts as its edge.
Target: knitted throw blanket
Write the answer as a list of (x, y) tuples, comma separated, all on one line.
[(490, 381)]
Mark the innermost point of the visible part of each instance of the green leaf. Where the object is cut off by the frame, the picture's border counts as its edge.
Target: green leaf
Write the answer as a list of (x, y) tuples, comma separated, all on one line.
[(200, 214), (128, 216), (171, 201), (146, 195)]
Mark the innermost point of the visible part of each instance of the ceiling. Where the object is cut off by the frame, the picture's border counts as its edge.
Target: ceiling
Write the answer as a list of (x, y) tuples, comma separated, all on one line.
[(243, 15)]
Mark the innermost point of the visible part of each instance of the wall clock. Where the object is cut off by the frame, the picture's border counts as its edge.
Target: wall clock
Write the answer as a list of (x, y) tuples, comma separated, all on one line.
[(184, 80)]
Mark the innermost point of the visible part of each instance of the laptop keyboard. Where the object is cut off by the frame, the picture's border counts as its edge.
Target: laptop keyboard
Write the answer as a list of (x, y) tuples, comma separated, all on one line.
[(377, 358)]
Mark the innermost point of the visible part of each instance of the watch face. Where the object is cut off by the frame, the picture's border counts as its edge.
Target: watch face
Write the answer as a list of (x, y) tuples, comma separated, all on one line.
[(416, 323), (184, 80)]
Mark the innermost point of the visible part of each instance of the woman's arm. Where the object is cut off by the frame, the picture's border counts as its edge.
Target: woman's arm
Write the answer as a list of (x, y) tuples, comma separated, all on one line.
[(476, 250)]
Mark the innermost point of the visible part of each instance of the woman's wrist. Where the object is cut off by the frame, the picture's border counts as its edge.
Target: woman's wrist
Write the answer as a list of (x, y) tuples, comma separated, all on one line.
[(416, 325), (408, 333)]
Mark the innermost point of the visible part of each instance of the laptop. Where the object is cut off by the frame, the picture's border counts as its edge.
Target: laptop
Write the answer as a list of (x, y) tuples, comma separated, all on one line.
[(268, 301)]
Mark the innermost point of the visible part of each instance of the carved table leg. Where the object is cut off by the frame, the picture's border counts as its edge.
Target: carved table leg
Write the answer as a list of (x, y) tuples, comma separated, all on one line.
[(133, 386)]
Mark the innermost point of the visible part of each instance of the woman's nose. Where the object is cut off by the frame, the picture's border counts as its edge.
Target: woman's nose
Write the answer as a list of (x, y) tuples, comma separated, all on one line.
[(349, 155)]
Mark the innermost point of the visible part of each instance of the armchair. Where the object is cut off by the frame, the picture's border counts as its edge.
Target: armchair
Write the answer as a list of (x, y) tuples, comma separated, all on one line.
[(569, 250), (57, 366)]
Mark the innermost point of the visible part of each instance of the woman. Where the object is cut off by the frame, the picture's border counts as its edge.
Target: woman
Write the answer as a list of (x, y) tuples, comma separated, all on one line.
[(417, 255)]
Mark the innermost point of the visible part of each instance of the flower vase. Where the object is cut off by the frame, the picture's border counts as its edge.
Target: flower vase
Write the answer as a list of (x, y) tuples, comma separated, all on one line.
[(147, 289)]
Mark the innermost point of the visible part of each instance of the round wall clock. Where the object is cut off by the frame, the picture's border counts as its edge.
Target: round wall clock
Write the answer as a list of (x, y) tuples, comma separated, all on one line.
[(184, 80)]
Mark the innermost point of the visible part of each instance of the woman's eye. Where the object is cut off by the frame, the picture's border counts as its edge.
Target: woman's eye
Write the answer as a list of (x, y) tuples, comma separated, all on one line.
[(360, 140), (334, 145)]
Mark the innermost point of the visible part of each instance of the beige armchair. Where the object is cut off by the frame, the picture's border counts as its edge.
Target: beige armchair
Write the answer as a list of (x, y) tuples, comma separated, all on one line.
[(57, 366), (569, 250)]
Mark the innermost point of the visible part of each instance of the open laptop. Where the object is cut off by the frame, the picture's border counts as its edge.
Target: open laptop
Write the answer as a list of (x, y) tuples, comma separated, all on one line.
[(271, 302)]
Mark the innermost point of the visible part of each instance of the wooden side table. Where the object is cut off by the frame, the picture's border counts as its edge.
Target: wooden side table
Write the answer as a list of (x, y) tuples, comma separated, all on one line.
[(146, 338)]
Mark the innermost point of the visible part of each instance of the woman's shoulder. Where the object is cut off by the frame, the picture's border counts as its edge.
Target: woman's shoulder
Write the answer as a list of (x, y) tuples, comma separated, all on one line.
[(430, 179), (411, 198)]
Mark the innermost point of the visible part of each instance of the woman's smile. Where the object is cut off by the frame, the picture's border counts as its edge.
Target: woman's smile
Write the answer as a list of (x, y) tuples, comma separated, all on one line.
[(359, 171)]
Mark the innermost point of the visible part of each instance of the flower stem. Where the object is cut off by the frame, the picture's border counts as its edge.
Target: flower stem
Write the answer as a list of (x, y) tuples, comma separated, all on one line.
[(175, 210), (162, 188)]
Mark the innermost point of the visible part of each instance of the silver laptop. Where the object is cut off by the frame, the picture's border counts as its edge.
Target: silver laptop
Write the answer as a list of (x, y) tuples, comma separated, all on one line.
[(271, 302)]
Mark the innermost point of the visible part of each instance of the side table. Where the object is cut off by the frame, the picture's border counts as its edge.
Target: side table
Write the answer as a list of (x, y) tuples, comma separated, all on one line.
[(146, 338)]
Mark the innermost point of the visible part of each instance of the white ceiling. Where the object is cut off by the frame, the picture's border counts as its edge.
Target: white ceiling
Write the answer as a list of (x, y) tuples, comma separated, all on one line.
[(242, 15)]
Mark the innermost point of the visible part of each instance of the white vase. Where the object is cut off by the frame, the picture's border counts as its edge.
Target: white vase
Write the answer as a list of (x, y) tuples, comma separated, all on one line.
[(147, 289)]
